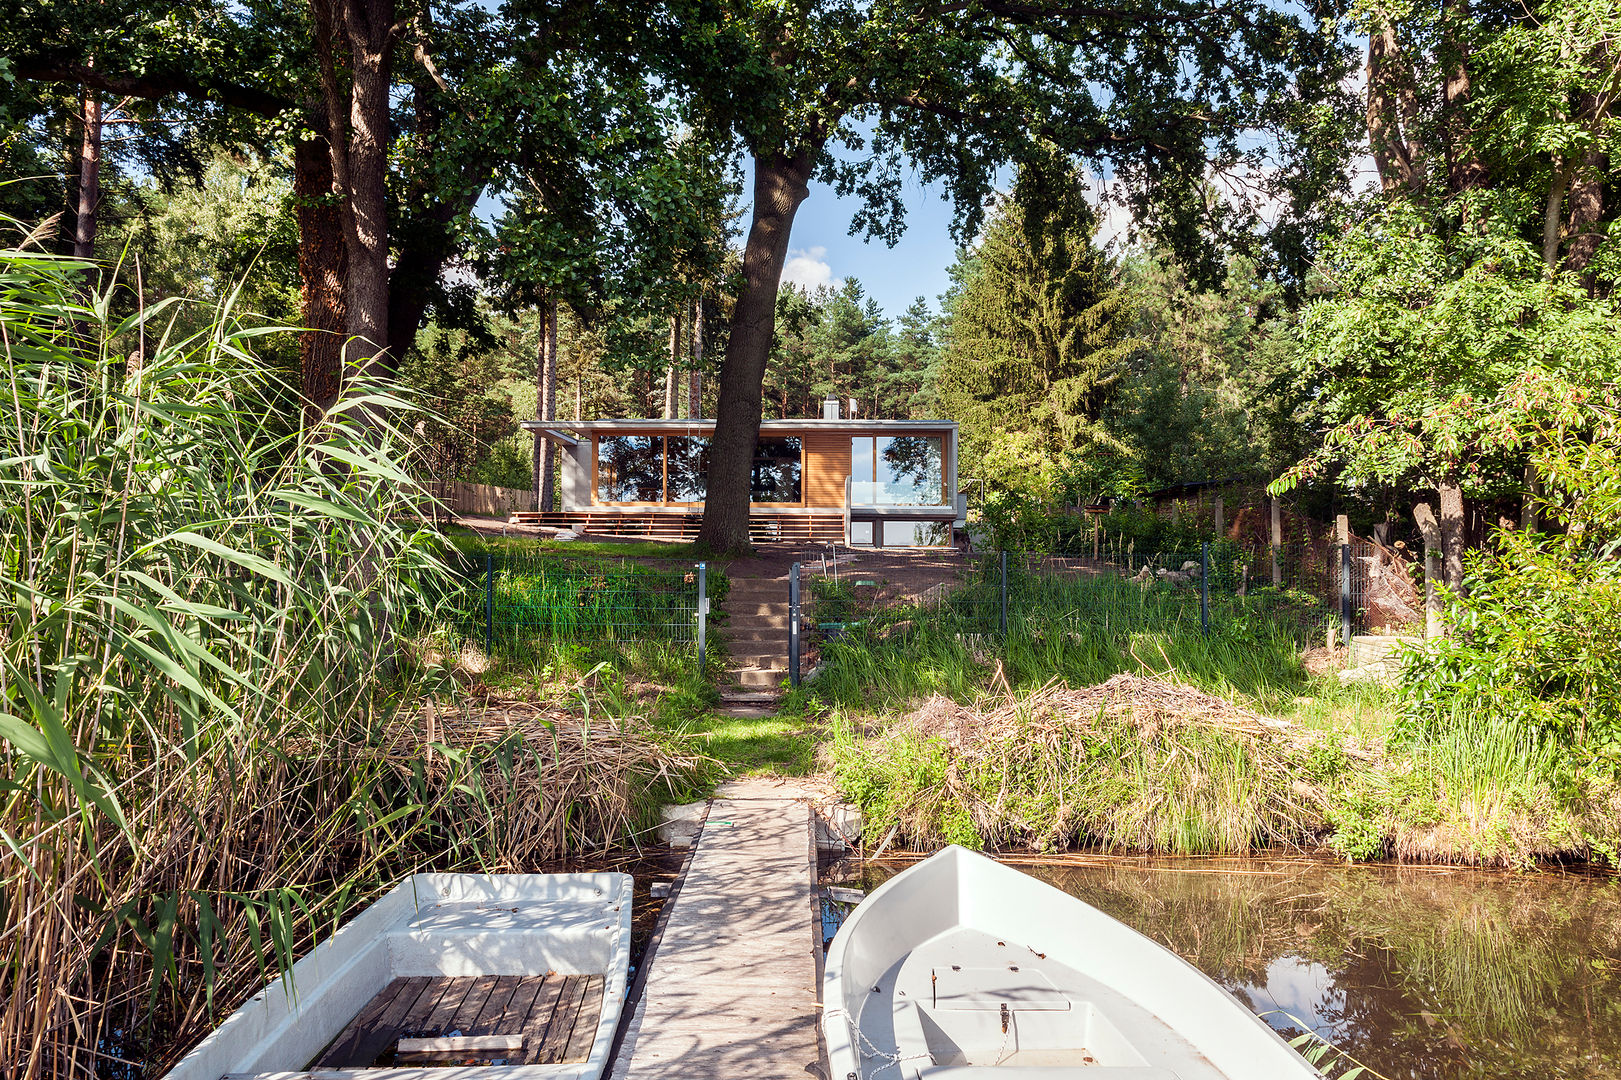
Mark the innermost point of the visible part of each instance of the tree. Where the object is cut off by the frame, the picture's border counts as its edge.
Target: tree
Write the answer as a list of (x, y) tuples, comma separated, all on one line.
[(400, 115), (1479, 263), (1038, 330), (1142, 89), (1417, 368), (1197, 399)]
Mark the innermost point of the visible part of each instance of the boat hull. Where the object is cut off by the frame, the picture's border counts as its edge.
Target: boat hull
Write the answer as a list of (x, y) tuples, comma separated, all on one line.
[(960, 967), (434, 926)]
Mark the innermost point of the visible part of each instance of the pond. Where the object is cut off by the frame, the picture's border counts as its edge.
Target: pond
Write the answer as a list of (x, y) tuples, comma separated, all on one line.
[(1419, 973)]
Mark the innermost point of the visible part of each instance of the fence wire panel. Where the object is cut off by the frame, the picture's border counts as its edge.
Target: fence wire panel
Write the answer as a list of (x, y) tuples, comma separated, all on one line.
[(584, 600), (1118, 591)]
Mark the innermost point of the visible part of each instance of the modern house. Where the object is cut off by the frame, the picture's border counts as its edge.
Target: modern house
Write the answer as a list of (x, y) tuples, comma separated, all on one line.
[(877, 482)]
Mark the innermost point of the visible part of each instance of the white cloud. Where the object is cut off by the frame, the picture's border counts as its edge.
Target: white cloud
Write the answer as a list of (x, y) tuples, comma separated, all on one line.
[(808, 268)]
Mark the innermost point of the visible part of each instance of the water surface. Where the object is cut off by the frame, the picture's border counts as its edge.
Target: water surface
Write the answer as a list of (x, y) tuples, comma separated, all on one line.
[(1420, 973)]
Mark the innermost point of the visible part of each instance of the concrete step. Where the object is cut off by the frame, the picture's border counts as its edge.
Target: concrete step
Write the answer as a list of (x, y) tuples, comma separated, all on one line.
[(760, 622), (749, 639), (745, 609), (759, 587), (769, 661), (760, 677)]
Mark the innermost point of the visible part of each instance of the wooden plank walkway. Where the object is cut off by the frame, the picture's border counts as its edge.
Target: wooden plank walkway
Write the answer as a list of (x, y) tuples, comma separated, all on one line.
[(552, 1019), (731, 992)]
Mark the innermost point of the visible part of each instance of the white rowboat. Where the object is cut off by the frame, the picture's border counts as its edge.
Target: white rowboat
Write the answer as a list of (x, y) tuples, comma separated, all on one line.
[(446, 977), (961, 968)]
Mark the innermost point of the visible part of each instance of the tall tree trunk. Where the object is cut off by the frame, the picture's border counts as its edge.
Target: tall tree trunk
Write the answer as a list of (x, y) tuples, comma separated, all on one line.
[(546, 403), (1586, 198), (89, 193), (1453, 532), (673, 368), (360, 171), (322, 264), (1392, 109), (781, 184), (695, 396), (1552, 214), (1465, 172)]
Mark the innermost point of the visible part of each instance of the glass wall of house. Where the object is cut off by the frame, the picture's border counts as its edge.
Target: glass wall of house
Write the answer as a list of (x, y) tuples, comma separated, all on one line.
[(897, 470), (630, 468), (673, 469)]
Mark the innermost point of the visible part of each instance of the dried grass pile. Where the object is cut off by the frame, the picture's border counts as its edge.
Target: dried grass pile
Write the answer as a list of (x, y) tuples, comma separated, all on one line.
[(1135, 762), (1148, 701), (533, 783)]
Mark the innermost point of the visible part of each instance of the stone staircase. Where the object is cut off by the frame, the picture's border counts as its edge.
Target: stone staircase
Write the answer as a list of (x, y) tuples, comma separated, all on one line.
[(757, 629)]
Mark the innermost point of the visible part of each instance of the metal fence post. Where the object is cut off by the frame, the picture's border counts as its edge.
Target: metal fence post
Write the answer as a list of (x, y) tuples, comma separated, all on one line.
[(1204, 587), (1004, 594), (793, 625), (1345, 593), (703, 616), (489, 605)]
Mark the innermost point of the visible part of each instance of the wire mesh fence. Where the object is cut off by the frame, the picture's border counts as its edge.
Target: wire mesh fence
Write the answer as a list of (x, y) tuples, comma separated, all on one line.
[(512, 597), (1302, 588)]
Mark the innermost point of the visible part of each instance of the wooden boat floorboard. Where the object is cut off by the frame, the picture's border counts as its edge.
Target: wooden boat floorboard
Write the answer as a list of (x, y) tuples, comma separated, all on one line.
[(556, 1015)]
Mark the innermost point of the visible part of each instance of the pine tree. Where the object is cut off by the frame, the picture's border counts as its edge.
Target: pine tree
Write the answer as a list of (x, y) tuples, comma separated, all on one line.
[(1038, 328)]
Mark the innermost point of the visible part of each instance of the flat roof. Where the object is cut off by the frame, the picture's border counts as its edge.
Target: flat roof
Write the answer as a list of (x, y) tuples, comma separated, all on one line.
[(689, 426)]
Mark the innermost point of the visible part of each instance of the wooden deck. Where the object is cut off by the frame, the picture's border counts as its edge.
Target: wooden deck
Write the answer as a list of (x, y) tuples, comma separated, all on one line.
[(544, 1019), (764, 527), (731, 992)]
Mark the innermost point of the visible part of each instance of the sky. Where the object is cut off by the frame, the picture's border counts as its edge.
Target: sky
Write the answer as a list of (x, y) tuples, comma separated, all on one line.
[(821, 250)]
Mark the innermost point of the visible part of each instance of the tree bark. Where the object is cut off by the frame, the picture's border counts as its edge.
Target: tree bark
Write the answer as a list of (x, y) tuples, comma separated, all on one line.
[(1465, 172), (1586, 198), (695, 397), (1391, 110), (89, 193), (322, 264), (546, 402), (1552, 215), (1453, 526), (360, 173), (781, 184), (673, 368)]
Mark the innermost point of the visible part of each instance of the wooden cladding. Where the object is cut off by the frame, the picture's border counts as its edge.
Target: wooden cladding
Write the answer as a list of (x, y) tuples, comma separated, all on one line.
[(827, 464)]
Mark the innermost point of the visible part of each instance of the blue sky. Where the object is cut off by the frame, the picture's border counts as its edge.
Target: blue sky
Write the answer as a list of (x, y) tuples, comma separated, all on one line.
[(822, 251)]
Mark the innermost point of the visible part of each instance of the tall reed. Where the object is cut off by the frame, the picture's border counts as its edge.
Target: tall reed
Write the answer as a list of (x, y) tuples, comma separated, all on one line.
[(204, 769)]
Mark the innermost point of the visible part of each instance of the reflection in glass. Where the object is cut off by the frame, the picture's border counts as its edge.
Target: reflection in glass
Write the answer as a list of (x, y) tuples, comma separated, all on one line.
[(899, 470), (861, 490), (775, 477), (630, 468), (688, 466)]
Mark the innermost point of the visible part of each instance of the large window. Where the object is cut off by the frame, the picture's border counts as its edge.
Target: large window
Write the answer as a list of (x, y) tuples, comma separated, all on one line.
[(655, 469), (630, 468), (688, 466), (775, 477), (897, 470)]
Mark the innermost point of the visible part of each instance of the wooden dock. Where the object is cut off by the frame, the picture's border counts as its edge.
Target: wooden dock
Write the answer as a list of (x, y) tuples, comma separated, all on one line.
[(731, 992)]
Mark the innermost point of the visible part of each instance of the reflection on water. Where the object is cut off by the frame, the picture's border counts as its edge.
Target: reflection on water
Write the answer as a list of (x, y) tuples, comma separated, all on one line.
[(1420, 973)]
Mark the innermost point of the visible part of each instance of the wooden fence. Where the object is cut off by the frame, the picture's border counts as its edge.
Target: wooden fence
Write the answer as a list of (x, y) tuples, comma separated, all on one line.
[(480, 500)]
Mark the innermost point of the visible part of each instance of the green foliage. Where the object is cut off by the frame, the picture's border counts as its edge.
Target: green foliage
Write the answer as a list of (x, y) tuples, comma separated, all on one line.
[(586, 600), (837, 342), (1423, 364), (1037, 341), (1537, 641), (1198, 400), (456, 378)]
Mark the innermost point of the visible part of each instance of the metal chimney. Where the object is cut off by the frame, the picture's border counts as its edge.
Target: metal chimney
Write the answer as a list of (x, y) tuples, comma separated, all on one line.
[(830, 408)]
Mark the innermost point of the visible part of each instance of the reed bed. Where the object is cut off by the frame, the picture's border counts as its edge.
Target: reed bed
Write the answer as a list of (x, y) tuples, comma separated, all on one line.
[(207, 764)]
